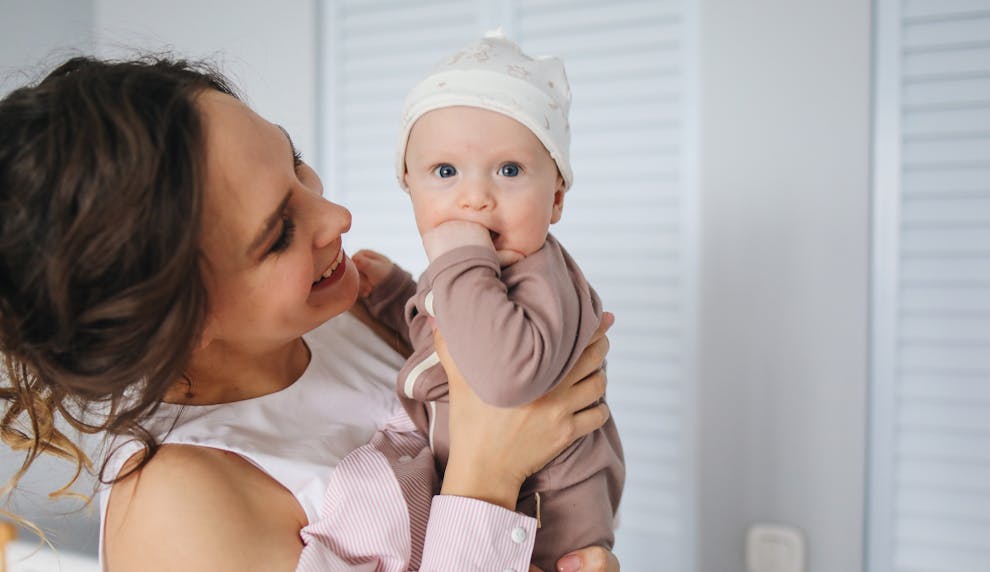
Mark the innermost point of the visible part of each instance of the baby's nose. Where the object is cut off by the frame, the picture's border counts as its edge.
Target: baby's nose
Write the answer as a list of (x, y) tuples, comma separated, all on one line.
[(477, 195)]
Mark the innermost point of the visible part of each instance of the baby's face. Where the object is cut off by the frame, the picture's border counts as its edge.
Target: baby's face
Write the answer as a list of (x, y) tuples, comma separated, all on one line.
[(466, 163)]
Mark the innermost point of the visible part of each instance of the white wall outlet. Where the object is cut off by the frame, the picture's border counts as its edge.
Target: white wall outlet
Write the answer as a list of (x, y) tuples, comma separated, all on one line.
[(774, 548)]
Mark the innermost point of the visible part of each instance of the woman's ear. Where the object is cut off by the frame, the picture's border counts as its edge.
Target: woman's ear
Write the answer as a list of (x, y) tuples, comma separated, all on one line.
[(558, 201)]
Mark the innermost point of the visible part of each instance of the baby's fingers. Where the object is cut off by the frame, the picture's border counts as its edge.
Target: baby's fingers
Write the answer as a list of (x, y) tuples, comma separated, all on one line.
[(507, 257), (365, 255)]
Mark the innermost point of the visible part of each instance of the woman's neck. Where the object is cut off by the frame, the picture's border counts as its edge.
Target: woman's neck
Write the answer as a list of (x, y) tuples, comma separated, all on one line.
[(221, 373)]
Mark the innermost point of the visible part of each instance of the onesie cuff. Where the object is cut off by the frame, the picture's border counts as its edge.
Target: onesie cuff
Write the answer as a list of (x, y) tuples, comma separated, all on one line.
[(462, 256)]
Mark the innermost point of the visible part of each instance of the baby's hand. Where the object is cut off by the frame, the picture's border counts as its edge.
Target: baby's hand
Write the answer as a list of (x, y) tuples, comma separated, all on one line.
[(451, 234), (372, 267)]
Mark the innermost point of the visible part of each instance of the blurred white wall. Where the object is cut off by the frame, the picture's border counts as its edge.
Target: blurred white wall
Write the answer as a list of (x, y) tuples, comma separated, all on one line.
[(267, 48), (785, 148), (34, 35)]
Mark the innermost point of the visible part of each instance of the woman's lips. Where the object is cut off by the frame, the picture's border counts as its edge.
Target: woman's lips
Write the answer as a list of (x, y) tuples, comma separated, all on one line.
[(333, 272)]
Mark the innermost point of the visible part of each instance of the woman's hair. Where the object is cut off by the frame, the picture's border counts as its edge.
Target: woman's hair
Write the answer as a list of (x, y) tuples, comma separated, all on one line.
[(101, 293)]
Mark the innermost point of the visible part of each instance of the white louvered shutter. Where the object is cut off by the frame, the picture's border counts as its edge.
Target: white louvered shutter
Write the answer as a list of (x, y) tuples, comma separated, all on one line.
[(930, 448), (628, 220)]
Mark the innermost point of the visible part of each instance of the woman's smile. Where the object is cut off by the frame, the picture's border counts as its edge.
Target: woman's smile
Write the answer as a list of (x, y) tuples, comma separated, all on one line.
[(333, 273)]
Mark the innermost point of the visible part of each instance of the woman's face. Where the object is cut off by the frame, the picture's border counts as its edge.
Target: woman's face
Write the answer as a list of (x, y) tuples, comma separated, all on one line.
[(275, 262)]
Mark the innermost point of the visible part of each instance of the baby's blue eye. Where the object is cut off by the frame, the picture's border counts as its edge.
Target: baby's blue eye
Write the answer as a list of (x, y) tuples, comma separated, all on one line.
[(444, 171), (509, 170)]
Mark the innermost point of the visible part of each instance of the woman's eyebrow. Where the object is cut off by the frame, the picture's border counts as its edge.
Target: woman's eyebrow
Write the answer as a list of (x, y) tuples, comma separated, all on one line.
[(270, 223), (292, 146)]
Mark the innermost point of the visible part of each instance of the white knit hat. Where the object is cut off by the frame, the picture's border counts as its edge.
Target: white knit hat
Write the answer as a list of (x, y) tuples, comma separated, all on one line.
[(495, 74)]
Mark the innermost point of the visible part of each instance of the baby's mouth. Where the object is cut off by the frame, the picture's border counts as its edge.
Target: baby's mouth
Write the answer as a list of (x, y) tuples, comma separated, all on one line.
[(494, 235)]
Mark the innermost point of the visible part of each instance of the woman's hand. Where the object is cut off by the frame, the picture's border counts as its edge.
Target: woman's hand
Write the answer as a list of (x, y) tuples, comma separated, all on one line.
[(590, 559), (493, 450)]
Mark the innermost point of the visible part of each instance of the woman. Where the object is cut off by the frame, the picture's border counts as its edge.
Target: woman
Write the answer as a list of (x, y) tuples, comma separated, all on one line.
[(168, 274)]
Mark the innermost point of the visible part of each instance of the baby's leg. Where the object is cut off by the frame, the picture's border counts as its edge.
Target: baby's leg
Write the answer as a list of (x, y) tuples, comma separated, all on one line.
[(572, 518)]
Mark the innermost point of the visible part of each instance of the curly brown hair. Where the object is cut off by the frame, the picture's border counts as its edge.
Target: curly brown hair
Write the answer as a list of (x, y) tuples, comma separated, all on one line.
[(101, 292)]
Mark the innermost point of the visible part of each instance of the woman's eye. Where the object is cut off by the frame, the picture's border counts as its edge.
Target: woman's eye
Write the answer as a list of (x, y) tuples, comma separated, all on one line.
[(445, 171), (284, 239), (297, 159), (509, 170)]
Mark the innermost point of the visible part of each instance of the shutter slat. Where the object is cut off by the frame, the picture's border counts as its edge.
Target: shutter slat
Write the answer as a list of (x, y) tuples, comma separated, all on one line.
[(965, 210), (947, 533), (964, 477), (948, 122), (946, 240), (967, 270), (934, 303), (406, 16), (947, 446), (967, 60), (938, 9), (967, 326), (922, 558), (948, 32), (542, 9), (968, 389), (964, 91), (961, 150), (947, 180), (968, 418)]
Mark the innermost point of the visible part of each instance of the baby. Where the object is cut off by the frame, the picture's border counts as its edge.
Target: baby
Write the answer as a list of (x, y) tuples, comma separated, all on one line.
[(484, 154)]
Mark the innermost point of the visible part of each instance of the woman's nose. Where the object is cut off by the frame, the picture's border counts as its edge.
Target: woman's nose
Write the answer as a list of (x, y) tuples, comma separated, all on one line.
[(330, 221)]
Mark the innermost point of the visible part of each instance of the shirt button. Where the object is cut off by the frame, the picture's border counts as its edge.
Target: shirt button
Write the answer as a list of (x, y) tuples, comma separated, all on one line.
[(405, 459), (518, 535)]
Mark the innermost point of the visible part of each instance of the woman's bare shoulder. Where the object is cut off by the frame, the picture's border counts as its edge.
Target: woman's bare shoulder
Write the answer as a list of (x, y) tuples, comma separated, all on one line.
[(196, 508)]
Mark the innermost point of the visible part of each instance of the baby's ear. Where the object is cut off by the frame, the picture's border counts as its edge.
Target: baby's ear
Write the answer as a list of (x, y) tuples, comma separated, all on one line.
[(558, 201)]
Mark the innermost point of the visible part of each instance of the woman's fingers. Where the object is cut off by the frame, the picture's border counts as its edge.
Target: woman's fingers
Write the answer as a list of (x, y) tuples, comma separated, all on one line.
[(590, 419), (593, 357), (590, 559), (588, 391), (608, 318)]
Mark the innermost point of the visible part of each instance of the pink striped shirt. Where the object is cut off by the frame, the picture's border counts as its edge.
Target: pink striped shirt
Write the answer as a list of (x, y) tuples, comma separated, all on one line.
[(380, 514)]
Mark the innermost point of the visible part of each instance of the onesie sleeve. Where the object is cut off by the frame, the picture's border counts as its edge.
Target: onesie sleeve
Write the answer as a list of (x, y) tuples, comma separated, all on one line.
[(513, 332), (387, 300)]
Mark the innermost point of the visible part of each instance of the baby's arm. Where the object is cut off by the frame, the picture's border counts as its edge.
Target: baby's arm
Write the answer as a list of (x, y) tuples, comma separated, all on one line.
[(532, 318), (384, 289), (373, 268)]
